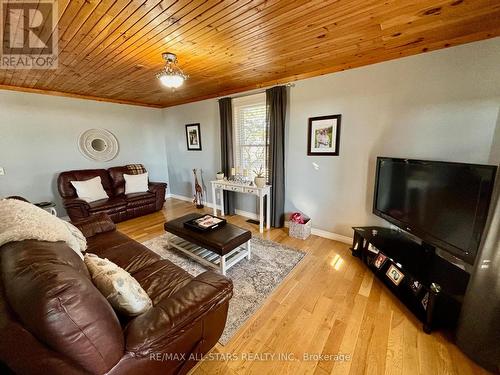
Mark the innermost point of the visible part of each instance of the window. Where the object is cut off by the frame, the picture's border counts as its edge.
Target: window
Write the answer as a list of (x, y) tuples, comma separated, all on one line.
[(250, 135)]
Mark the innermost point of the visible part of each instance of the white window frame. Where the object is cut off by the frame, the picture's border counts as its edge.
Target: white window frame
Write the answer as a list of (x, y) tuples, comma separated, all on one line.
[(238, 104)]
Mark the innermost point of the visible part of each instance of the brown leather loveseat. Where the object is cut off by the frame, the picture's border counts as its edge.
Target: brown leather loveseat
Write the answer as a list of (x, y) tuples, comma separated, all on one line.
[(119, 206), (54, 321)]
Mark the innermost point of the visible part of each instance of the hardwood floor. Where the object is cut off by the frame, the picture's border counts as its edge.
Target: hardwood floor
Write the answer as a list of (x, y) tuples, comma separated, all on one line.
[(329, 304)]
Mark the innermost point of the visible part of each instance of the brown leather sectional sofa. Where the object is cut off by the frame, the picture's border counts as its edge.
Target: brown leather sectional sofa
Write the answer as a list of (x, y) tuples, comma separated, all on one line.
[(119, 206), (54, 321)]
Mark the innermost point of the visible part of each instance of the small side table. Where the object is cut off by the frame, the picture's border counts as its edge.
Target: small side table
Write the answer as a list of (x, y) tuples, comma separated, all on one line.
[(261, 192), (48, 206)]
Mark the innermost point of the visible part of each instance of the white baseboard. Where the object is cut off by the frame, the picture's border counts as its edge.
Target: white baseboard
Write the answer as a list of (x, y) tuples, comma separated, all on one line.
[(247, 214), (181, 197), (254, 216), (332, 236)]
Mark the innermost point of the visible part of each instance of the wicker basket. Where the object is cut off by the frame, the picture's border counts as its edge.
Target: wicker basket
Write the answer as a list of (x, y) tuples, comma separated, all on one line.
[(300, 231)]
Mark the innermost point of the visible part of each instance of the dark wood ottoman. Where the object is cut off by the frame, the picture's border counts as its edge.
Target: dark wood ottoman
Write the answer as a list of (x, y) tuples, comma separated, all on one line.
[(221, 248)]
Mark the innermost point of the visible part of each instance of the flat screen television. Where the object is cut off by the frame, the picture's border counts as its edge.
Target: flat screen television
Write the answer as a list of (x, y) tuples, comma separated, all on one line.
[(444, 204)]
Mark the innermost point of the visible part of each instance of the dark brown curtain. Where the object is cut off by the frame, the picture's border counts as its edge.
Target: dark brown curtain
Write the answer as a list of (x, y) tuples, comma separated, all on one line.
[(226, 139), (478, 332), (276, 102)]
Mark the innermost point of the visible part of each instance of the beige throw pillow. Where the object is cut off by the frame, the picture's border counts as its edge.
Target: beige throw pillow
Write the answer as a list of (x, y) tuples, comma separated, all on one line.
[(121, 290), (136, 183), (90, 190)]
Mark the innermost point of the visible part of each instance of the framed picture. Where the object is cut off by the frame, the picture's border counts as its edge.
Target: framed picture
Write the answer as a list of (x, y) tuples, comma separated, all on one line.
[(379, 261), (373, 249), (193, 137), (395, 275), (415, 286), (324, 136), (425, 301)]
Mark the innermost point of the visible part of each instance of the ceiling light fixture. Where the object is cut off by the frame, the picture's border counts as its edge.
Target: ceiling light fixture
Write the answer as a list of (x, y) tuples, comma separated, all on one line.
[(171, 76)]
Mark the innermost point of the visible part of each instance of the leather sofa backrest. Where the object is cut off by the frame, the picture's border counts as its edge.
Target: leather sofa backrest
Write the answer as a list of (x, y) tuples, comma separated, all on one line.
[(49, 288), (118, 182), (67, 191)]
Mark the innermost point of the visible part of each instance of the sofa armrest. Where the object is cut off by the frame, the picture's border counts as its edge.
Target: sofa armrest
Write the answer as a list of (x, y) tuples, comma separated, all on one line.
[(173, 316), (158, 189), (76, 208), (95, 224), (157, 186), (75, 202)]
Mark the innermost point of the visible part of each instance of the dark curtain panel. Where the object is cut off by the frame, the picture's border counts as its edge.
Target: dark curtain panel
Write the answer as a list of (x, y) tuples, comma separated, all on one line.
[(276, 102), (478, 332), (226, 139)]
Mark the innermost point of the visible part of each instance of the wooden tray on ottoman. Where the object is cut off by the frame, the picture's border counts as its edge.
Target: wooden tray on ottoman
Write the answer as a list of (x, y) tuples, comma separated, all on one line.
[(193, 224), (220, 249)]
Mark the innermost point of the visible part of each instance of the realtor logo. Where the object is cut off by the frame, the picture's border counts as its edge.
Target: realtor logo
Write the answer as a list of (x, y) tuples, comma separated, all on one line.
[(29, 34)]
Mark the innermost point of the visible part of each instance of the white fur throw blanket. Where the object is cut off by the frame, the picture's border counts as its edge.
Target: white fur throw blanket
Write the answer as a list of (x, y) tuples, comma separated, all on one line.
[(24, 221)]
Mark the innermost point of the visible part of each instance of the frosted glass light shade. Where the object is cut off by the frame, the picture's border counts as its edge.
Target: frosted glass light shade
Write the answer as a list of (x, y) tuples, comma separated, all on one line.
[(171, 75), (171, 80)]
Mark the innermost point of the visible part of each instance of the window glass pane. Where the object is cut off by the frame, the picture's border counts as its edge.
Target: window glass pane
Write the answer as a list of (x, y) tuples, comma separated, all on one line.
[(250, 139), (253, 157)]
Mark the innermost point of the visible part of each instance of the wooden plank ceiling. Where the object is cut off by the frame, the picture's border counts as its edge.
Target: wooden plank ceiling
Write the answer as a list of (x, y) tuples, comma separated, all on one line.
[(111, 49)]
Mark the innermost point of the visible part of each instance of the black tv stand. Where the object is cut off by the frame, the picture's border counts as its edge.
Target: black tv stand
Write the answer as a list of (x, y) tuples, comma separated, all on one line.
[(431, 287)]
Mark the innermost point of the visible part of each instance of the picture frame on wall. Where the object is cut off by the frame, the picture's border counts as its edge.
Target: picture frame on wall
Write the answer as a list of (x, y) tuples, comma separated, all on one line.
[(323, 138), (193, 137)]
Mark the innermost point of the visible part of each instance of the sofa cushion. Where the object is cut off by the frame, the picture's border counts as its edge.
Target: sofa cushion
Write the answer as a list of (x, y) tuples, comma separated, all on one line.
[(95, 224), (90, 190), (136, 168), (116, 203), (121, 250), (159, 277), (49, 288), (116, 175), (139, 199), (140, 196), (121, 290), (162, 279), (136, 183), (58, 322), (117, 180), (67, 191)]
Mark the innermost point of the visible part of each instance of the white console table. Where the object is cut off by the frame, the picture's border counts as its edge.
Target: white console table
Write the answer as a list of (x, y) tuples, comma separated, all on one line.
[(240, 188)]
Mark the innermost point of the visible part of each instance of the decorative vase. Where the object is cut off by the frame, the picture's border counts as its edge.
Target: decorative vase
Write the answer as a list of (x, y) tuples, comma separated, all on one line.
[(219, 176), (259, 181)]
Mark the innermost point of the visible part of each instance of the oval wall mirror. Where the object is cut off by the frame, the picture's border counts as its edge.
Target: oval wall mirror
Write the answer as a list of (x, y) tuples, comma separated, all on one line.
[(98, 145)]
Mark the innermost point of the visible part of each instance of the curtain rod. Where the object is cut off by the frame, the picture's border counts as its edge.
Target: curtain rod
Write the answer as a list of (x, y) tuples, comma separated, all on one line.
[(253, 92)]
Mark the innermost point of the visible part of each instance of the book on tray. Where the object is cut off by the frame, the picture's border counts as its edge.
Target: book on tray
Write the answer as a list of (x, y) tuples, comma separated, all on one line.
[(206, 222)]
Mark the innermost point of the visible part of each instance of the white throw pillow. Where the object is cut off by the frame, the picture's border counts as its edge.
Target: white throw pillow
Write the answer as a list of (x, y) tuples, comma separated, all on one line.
[(121, 290), (136, 183), (90, 190)]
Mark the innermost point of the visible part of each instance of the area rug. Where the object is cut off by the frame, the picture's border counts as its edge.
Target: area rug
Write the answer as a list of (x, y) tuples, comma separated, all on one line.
[(253, 280)]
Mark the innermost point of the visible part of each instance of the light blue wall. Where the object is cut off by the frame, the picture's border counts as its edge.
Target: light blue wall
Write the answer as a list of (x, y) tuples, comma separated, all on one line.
[(208, 160), (39, 133), (441, 105), (495, 145), (181, 175)]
